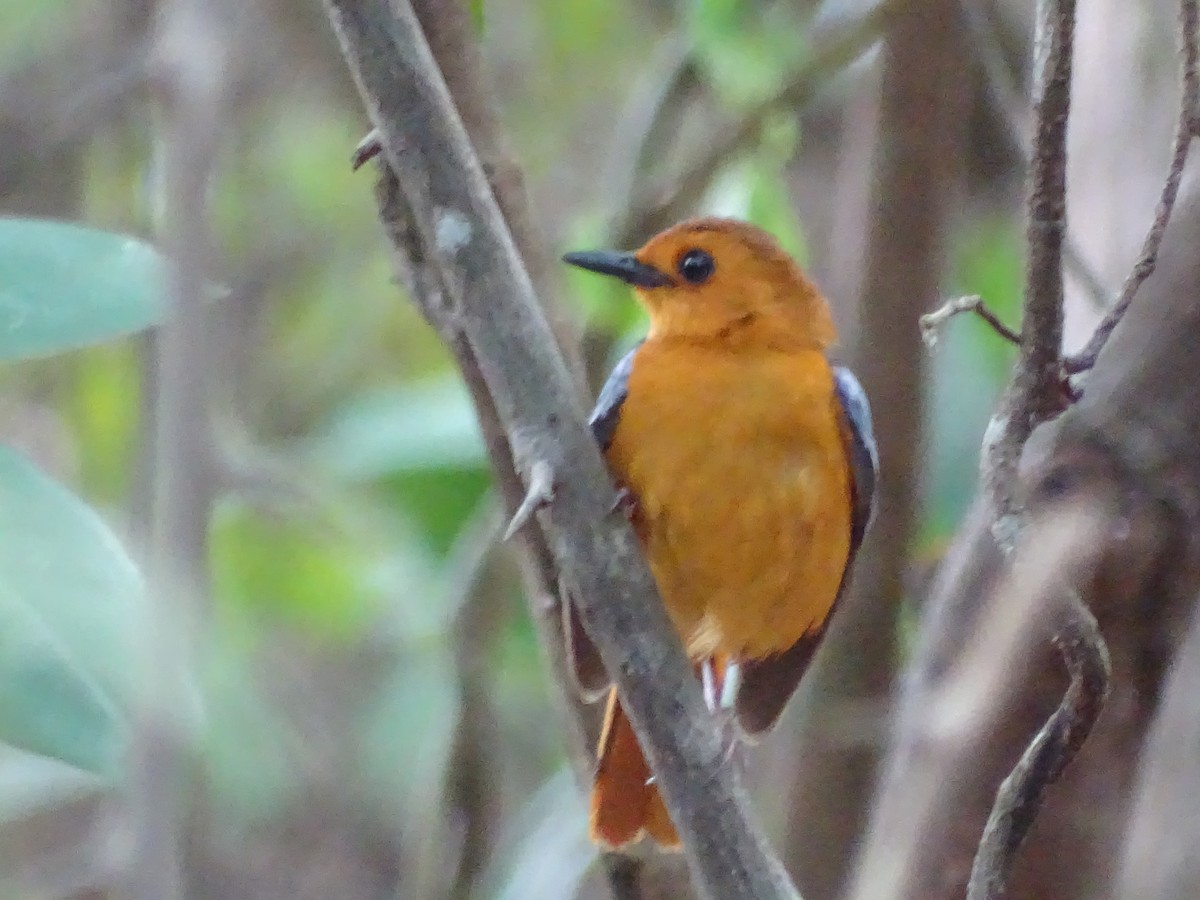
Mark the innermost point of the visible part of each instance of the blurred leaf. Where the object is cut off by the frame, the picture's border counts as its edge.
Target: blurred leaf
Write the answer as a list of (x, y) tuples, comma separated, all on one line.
[(64, 286), (422, 442), (747, 48), (475, 7), (30, 783), (988, 261), (415, 426), (103, 411), (25, 26), (298, 569), (769, 206), (68, 597)]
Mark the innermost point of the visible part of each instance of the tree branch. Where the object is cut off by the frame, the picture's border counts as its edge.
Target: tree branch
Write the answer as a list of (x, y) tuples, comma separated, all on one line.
[(1021, 794), (1036, 393), (192, 86), (948, 722), (1189, 99), (491, 307), (933, 323)]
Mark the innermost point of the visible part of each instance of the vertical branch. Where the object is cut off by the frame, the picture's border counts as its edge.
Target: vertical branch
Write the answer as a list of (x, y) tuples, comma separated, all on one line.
[(1037, 392), (189, 82)]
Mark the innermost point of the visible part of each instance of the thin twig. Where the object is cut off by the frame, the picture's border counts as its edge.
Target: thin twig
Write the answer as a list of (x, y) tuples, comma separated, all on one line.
[(662, 206), (1189, 98), (933, 323), (1010, 104), (1022, 793), (952, 715), (191, 85), (1037, 392), (491, 308)]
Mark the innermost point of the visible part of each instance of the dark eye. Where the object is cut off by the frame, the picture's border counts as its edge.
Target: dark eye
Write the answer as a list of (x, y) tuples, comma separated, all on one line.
[(696, 266)]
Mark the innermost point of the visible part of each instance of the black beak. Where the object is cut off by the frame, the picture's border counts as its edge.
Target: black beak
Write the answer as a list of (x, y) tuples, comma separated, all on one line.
[(620, 265)]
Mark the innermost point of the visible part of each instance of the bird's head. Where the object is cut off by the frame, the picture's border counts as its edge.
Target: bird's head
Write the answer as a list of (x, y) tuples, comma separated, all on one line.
[(720, 279)]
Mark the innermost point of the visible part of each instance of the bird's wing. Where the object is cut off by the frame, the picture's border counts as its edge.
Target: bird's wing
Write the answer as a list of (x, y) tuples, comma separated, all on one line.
[(584, 659), (607, 411), (768, 684), (864, 456)]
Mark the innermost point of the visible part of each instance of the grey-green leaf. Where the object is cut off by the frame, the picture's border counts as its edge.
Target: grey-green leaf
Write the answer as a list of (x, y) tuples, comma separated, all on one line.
[(64, 286), (69, 612)]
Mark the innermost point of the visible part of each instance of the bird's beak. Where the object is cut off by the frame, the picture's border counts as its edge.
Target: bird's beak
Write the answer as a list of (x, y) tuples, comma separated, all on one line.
[(620, 265)]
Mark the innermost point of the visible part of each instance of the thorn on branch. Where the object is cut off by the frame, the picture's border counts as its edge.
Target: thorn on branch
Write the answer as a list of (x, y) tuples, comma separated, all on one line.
[(932, 323), (539, 495), (368, 148)]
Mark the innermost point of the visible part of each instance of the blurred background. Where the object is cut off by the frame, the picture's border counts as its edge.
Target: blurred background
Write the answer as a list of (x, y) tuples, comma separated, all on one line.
[(370, 712)]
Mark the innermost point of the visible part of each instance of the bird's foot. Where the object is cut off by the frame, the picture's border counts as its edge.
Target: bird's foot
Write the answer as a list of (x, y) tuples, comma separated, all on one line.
[(720, 696), (626, 503)]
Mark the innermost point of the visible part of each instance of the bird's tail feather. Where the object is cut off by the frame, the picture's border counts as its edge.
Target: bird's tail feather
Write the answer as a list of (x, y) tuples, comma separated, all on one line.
[(625, 802)]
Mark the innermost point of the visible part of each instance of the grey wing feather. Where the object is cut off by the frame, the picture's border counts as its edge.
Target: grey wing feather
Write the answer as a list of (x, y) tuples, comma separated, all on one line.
[(607, 411), (584, 659), (864, 455)]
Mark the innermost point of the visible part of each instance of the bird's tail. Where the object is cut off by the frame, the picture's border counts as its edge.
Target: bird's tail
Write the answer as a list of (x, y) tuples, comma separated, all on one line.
[(625, 802)]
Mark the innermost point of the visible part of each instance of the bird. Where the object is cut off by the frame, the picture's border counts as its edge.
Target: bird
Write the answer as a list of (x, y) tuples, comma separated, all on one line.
[(747, 464)]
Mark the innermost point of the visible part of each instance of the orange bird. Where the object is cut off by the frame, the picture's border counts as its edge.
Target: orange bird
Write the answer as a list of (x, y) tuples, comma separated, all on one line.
[(748, 465)]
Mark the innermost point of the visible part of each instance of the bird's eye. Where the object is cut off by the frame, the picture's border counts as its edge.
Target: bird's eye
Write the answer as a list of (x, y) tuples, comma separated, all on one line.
[(696, 266)]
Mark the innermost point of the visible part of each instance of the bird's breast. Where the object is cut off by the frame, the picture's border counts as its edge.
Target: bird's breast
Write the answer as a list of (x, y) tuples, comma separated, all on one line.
[(742, 483)]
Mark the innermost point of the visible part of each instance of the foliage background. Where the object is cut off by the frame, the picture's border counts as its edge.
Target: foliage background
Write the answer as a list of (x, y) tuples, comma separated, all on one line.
[(365, 709)]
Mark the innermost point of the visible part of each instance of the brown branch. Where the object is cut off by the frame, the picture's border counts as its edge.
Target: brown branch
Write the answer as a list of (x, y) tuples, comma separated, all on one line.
[(1189, 98), (666, 204), (449, 32), (952, 716), (1036, 393), (1129, 444), (1022, 793), (490, 305), (933, 323)]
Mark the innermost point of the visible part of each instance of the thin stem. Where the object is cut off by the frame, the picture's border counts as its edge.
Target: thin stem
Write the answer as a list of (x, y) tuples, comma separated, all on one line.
[(1189, 98), (933, 323), (1037, 393), (1022, 793)]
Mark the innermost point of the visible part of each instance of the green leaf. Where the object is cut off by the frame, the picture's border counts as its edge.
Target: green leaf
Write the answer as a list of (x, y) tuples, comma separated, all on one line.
[(413, 426), (301, 570), (69, 597), (63, 286), (747, 49), (475, 7)]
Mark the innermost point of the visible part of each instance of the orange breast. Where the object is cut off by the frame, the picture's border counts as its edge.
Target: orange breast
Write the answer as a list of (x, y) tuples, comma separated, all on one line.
[(740, 472)]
